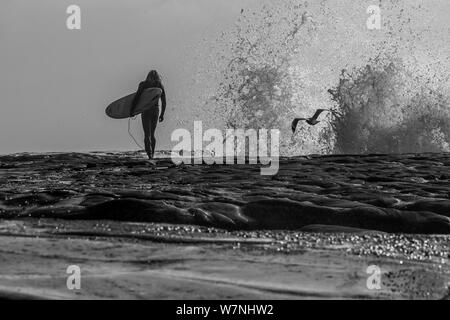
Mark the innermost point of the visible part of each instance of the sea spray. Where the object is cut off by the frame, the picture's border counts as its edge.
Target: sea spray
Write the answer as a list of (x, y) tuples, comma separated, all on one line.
[(383, 108), (282, 58)]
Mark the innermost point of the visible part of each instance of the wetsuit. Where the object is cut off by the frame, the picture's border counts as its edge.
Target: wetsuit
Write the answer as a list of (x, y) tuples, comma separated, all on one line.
[(150, 116)]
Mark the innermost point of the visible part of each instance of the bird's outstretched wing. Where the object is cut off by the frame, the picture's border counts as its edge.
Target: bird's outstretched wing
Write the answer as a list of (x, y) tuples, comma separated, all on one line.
[(317, 114), (295, 122)]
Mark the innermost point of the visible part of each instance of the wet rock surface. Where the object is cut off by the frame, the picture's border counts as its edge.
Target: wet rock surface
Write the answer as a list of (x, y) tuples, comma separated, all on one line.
[(389, 193), (159, 261), (140, 230)]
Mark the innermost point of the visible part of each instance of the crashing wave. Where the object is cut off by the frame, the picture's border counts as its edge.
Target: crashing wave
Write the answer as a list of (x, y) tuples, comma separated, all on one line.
[(285, 58)]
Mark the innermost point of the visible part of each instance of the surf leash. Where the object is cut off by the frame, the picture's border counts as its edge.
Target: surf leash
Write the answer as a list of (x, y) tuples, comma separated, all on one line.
[(131, 134)]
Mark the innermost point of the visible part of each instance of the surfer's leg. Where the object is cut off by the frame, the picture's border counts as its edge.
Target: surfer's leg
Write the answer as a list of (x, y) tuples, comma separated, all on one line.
[(145, 117), (154, 114)]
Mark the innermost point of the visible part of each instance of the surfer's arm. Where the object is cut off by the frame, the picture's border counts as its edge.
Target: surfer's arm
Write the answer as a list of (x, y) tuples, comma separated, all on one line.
[(163, 104), (163, 101)]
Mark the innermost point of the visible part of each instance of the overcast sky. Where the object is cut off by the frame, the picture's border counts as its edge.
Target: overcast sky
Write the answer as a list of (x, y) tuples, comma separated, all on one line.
[(55, 83)]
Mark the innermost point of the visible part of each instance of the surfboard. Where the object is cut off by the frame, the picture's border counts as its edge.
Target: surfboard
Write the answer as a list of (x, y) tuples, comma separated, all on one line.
[(120, 109)]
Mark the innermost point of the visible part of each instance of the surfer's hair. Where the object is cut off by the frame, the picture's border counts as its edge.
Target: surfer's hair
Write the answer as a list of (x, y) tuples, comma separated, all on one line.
[(154, 76)]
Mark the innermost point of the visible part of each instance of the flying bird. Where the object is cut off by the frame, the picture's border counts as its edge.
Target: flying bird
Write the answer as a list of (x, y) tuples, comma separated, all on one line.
[(311, 121)]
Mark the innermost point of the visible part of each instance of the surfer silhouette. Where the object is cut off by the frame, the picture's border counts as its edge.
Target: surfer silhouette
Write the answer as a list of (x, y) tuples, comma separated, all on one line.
[(150, 116)]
